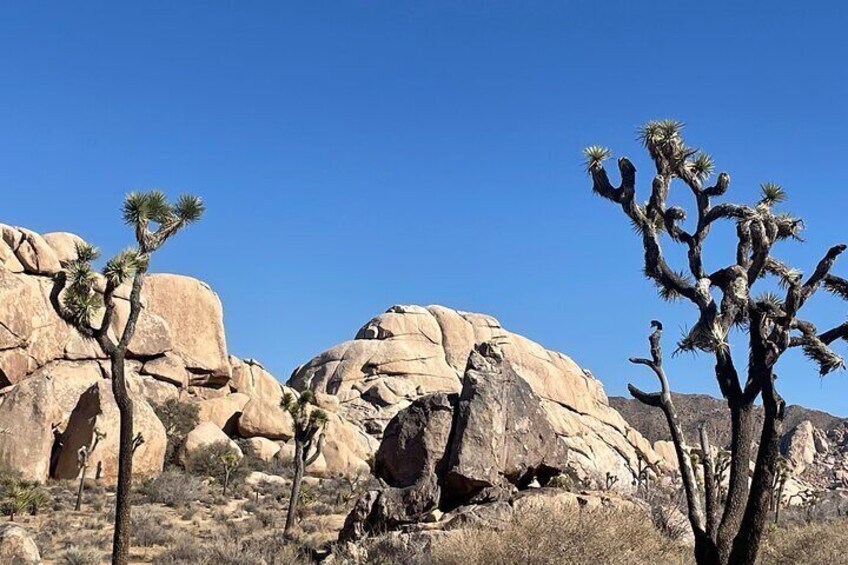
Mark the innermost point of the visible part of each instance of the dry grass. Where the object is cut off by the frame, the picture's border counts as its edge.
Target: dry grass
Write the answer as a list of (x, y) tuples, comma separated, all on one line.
[(818, 543), (564, 535)]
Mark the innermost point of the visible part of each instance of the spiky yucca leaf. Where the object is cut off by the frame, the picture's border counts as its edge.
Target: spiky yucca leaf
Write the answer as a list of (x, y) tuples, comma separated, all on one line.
[(770, 301), (823, 356), (660, 132), (702, 166), (787, 275), (86, 252), (318, 417), (772, 194), (836, 285), (189, 208), (140, 207), (121, 267), (594, 156), (82, 304)]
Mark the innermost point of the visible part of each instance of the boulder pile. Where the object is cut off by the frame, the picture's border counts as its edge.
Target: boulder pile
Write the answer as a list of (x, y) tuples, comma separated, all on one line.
[(55, 390)]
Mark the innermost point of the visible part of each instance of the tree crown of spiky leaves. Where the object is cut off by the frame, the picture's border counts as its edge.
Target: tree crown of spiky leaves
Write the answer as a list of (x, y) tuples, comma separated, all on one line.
[(83, 295), (303, 411), (759, 228)]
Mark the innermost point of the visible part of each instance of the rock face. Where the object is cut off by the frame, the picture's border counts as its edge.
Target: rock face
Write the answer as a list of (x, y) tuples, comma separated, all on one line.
[(97, 410), (448, 450), (799, 447), (411, 351), (203, 435), (17, 546), (54, 385)]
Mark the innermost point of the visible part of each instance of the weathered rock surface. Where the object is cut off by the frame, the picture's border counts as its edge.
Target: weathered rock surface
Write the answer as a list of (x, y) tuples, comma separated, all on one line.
[(203, 435), (17, 547), (97, 410), (448, 450), (263, 448), (266, 419), (798, 446), (410, 351)]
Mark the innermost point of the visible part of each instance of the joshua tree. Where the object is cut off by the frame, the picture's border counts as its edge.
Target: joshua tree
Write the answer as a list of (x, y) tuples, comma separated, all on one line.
[(724, 301), (308, 422), (79, 299), (83, 456), (22, 496), (780, 478)]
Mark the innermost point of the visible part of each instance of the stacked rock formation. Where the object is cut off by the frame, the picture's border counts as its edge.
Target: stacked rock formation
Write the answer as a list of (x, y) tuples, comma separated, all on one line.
[(54, 388), (411, 351)]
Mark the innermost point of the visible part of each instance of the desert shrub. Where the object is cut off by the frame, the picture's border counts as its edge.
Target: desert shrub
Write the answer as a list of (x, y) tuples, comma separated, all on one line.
[(231, 549), (173, 488), (81, 556), (561, 534), (179, 418), (18, 496), (218, 461), (806, 544), (667, 506), (149, 529)]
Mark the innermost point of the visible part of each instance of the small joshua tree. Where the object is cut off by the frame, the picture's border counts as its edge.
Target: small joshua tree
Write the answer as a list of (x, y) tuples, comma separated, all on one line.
[(79, 300), (725, 301), (83, 456), (782, 475), (308, 423)]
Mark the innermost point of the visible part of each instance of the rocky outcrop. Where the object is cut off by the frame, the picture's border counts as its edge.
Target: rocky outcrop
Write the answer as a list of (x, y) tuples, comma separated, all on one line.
[(17, 546), (447, 450), (97, 411), (179, 352), (798, 446), (411, 351)]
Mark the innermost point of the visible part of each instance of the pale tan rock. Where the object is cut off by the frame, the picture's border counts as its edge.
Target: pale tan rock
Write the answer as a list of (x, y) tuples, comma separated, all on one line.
[(346, 450), (97, 410), (251, 378), (266, 419), (258, 478), (8, 260), (410, 351), (152, 335), (28, 413), (195, 317), (155, 391), (17, 546), (33, 252), (168, 368), (263, 448), (63, 244), (224, 411), (203, 435), (799, 447), (665, 449)]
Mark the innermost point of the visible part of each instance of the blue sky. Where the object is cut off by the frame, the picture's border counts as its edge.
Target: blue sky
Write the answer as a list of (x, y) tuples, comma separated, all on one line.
[(354, 155)]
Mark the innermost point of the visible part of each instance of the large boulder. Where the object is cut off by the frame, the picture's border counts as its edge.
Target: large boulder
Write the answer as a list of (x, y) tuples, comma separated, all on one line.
[(224, 411), (799, 447), (196, 320), (204, 435), (446, 451), (416, 440), (31, 250), (265, 419), (501, 436), (17, 547), (97, 410), (411, 351), (251, 378)]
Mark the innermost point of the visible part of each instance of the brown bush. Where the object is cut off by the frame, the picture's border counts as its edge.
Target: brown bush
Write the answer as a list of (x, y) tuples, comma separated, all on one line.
[(564, 535), (817, 543)]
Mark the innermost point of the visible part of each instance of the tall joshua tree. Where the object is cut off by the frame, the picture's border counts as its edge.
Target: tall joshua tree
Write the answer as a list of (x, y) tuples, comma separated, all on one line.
[(308, 423), (79, 299), (728, 531)]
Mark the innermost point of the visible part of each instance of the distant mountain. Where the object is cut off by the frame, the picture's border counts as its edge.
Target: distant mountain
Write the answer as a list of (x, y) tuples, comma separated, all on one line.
[(694, 409)]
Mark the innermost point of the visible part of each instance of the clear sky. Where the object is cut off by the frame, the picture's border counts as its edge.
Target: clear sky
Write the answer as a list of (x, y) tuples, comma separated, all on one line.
[(355, 155)]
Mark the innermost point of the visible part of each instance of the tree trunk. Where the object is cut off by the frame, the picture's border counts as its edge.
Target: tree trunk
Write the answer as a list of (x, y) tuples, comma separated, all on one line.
[(121, 538), (78, 505), (295, 492), (742, 434)]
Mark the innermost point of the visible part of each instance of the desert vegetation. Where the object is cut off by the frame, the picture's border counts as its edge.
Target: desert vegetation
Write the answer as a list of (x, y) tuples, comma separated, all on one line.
[(727, 525)]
